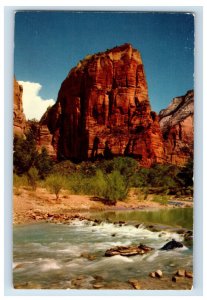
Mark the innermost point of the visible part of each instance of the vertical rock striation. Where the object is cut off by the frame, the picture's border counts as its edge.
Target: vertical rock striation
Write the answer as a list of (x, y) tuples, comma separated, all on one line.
[(45, 138), (19, 120), (103, 110)]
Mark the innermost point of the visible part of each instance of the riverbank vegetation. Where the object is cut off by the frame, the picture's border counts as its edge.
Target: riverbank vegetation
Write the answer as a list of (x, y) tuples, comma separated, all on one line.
[(110, 180)]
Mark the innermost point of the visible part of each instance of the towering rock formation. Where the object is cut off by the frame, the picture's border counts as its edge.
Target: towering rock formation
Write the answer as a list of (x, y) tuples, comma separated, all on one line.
[(19, 120), (103, 109), (176, 122)]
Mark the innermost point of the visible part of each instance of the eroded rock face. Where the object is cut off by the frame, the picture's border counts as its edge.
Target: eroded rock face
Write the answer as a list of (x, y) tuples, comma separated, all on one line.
[(19, 120), (45, 138), (20, 125), (176, 122), (103, 109)]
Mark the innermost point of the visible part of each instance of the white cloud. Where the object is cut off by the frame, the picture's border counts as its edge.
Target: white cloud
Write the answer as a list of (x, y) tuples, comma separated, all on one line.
[(34, 106)]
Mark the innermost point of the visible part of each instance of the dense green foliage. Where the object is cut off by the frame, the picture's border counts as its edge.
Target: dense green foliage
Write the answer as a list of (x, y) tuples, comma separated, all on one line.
[(43, 164), (25, 153), (111, 179), (26, 156), (106, 179)]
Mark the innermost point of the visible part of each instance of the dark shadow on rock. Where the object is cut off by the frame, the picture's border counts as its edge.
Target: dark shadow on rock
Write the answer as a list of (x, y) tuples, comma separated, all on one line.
[(95, 148), (107, 152)]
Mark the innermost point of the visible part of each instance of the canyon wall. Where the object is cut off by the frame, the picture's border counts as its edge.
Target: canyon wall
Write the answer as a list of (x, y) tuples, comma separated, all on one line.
[(103, 110)]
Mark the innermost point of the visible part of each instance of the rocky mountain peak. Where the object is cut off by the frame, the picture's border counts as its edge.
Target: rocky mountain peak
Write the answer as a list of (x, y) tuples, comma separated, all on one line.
[(103, 110)]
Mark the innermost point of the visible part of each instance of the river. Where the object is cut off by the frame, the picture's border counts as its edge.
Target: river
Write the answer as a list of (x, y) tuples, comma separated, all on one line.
[(47, 255)]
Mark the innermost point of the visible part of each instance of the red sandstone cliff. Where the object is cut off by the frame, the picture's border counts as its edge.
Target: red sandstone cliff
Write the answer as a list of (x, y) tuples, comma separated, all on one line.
[(103, 109), (45, 138), (19, 120), (20, 125), (176, 122)]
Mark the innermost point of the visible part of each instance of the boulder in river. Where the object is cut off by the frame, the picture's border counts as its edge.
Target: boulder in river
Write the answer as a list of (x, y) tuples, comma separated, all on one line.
[(172, 245), (180, 273), (152, 274), (158, 273), (128, 251)]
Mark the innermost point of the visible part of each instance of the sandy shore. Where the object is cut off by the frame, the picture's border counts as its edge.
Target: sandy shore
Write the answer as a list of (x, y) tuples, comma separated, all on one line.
[(31, 206)]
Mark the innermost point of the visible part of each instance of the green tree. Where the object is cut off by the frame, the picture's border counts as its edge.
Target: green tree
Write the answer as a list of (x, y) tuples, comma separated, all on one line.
[(163, 176), (54, 184), (117, 187), (43, 163), (127, 166), (25, 153), (111, 187)]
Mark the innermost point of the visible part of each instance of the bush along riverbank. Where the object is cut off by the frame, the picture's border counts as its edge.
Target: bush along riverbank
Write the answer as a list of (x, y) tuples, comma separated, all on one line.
[(107, 179)]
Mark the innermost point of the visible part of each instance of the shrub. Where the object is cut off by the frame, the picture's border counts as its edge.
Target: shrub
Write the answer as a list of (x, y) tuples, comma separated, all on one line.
[(54, 184), (99, 184), (43, 163), (116, 187), (32, 177), (88, 168), (139, 193), (125, 165), (160, 199), (78, 184), (110, 187), (18, 182), (140, 178), (64, 168)]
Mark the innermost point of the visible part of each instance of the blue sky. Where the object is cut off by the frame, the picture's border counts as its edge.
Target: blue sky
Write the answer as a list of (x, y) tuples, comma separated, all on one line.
[(49, 44)]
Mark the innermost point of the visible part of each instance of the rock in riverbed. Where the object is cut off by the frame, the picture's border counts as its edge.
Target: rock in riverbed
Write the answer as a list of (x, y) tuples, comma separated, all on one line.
[(172, 245), (188, 236), (158, 273), (152, 274), (135, 283), (180, 273), (128, 251)]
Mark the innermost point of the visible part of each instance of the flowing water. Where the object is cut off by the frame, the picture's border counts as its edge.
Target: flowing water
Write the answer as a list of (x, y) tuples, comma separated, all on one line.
[(47, 255)]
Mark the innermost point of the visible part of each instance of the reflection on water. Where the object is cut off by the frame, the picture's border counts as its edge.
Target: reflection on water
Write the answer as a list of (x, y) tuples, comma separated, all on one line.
[(176, 217)]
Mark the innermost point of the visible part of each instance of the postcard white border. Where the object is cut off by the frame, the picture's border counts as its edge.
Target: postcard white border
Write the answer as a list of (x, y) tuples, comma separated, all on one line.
[(7, 154)]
